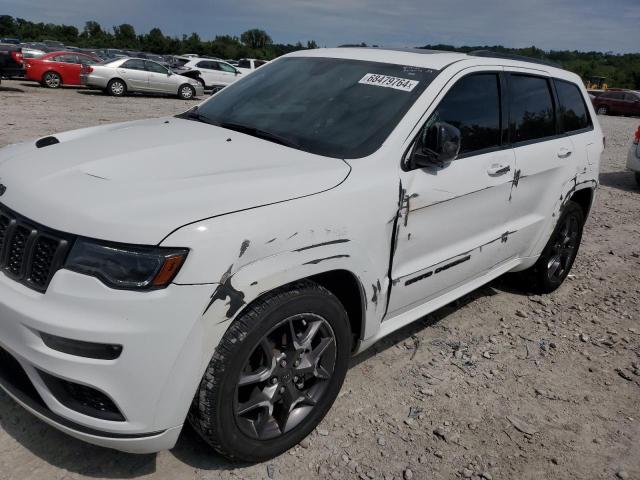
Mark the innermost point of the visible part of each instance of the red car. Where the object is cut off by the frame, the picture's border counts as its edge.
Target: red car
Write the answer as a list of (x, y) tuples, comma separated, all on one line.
[(58, 68), (618, 102)]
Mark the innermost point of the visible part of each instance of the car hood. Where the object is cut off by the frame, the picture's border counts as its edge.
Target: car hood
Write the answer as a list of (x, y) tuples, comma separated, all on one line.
[(136, 182)]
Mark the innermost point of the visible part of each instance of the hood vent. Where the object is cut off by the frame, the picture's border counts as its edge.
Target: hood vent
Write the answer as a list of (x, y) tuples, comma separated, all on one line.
[(46, 141)]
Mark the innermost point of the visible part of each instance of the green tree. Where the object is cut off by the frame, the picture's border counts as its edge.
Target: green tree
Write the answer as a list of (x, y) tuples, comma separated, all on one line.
[(125, 36), (256, 39)]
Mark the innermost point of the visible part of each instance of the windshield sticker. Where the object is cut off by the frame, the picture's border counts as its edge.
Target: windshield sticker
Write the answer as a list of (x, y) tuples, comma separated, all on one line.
[(387, 81)]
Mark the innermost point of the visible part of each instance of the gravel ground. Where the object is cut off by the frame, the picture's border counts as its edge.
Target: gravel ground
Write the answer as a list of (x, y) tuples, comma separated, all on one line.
[(499, 385)]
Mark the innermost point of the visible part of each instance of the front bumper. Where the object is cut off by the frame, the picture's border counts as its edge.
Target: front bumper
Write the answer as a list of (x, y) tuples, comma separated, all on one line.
[(633, 159), (165, 348)]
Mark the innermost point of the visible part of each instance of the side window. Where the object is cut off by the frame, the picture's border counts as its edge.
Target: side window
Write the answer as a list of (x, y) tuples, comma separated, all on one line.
[(86, 60), (260, 63), (630, 97), (226, 68), (244, 64), (66, 58), (133, 64), (155, 67), (531, 109), (473, 107), (572, 110)]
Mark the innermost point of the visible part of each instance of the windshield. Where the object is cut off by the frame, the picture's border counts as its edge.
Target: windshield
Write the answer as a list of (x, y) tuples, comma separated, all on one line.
[(332, 107)]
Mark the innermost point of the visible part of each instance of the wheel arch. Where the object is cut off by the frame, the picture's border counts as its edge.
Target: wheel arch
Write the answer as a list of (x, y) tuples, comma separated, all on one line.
[(52, 70), (584, 197)]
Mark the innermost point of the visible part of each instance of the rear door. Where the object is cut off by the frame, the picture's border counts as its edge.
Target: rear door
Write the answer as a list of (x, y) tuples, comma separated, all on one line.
[(544, 158), (454, 215), (69, 68), (135, 74)]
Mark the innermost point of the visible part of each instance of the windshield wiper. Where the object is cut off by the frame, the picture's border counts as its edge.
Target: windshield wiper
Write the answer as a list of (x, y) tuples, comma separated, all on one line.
[(256, 132)]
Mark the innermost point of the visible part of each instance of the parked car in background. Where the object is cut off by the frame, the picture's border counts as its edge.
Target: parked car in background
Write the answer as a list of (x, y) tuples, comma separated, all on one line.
[(32, 53), (618, 102), (52, 70), (125, 75), (222, 266), (633, 159), (216, 74), (12, 41), (232, 62), (248, 65), (11, 61)]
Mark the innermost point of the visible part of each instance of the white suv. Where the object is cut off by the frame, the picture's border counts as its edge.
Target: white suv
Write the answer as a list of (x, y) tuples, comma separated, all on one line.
[(214, 73), (222, 266)]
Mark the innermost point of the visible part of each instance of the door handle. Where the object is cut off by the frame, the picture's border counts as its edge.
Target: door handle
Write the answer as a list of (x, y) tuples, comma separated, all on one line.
[(498, 169), (564, 153)]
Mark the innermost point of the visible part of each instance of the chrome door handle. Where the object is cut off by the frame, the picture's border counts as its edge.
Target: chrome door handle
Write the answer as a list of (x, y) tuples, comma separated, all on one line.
[(499, 169), (564, 153)]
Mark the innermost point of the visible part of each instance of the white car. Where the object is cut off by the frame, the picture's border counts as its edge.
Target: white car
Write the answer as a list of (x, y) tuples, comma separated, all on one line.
[(633, 159), (223, 265), (248, 65), (214, 73), (125, 75)]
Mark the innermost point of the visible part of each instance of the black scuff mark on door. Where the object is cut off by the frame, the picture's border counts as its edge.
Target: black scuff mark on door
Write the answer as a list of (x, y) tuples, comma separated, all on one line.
[(271, 241), (374, 298), (315, 262), (224, 290), (243, 247), (332, 242), (291, 236), (253, 284), (514, 182)]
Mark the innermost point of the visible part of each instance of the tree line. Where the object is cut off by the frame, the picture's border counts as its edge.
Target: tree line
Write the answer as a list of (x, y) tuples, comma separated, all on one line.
[(253, 43), (621, 70)]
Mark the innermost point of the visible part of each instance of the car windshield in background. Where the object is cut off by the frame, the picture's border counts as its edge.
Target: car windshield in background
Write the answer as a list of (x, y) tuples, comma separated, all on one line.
[(332, 107)]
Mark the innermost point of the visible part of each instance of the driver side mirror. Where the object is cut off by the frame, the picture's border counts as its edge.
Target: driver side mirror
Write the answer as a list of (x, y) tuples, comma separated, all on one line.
[(438, 144)]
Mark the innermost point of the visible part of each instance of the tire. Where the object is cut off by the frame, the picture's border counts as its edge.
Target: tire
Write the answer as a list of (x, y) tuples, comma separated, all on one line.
[(222, 413), (201, 82), (51, 80), (116, 88), (556, 260), (638, 178), (603, 110), (186, 92)]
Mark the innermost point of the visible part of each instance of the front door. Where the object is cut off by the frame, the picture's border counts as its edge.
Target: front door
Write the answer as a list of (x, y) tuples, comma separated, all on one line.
[(452, 226), (159, 78)]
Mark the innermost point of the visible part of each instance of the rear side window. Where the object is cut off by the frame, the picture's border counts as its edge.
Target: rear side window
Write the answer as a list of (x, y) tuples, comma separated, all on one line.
[(154, 67), (473, 107), (531, 109), (572, 109), (134, 64)]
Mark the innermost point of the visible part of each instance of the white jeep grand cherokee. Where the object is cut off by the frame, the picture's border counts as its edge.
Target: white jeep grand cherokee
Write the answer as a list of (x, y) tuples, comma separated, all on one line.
[(222, 266)]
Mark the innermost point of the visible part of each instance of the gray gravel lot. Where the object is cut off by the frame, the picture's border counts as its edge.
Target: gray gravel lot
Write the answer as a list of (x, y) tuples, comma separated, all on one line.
[(499, 385)]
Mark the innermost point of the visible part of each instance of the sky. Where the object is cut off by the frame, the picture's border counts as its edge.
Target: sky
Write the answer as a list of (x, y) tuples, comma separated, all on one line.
[(602, 25)]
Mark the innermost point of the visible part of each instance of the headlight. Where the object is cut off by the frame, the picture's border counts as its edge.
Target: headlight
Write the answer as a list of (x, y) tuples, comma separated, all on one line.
[(124, 266)]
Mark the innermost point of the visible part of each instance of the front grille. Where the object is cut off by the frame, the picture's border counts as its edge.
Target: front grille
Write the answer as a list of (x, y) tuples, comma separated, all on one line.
[(30, 253)]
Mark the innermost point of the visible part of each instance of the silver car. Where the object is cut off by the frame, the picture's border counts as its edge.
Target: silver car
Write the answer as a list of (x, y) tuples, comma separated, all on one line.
[(119, 76)]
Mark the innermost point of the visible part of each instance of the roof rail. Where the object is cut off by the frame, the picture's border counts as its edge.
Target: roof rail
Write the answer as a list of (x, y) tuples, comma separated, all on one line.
[(513, 56)]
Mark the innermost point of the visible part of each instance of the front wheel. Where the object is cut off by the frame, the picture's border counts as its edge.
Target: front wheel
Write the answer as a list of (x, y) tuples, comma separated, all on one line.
[(556, 260), (603, 110), (275, 373), (186, 92)]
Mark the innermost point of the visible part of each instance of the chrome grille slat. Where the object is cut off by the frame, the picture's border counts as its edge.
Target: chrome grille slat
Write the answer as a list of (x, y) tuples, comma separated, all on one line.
[(30, 253)]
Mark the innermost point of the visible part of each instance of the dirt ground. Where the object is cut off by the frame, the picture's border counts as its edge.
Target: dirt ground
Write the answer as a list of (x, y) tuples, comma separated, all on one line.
[(499, 385)]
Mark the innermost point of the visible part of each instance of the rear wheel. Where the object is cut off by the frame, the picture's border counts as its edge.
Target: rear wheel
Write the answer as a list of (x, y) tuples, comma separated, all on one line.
[(275, 373), (116, 88), (51, 80), (638, 178), (186, 92), (603, 110), (556, 260)]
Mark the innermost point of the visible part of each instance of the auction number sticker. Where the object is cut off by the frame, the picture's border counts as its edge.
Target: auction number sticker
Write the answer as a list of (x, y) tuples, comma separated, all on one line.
[(387, 81)]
